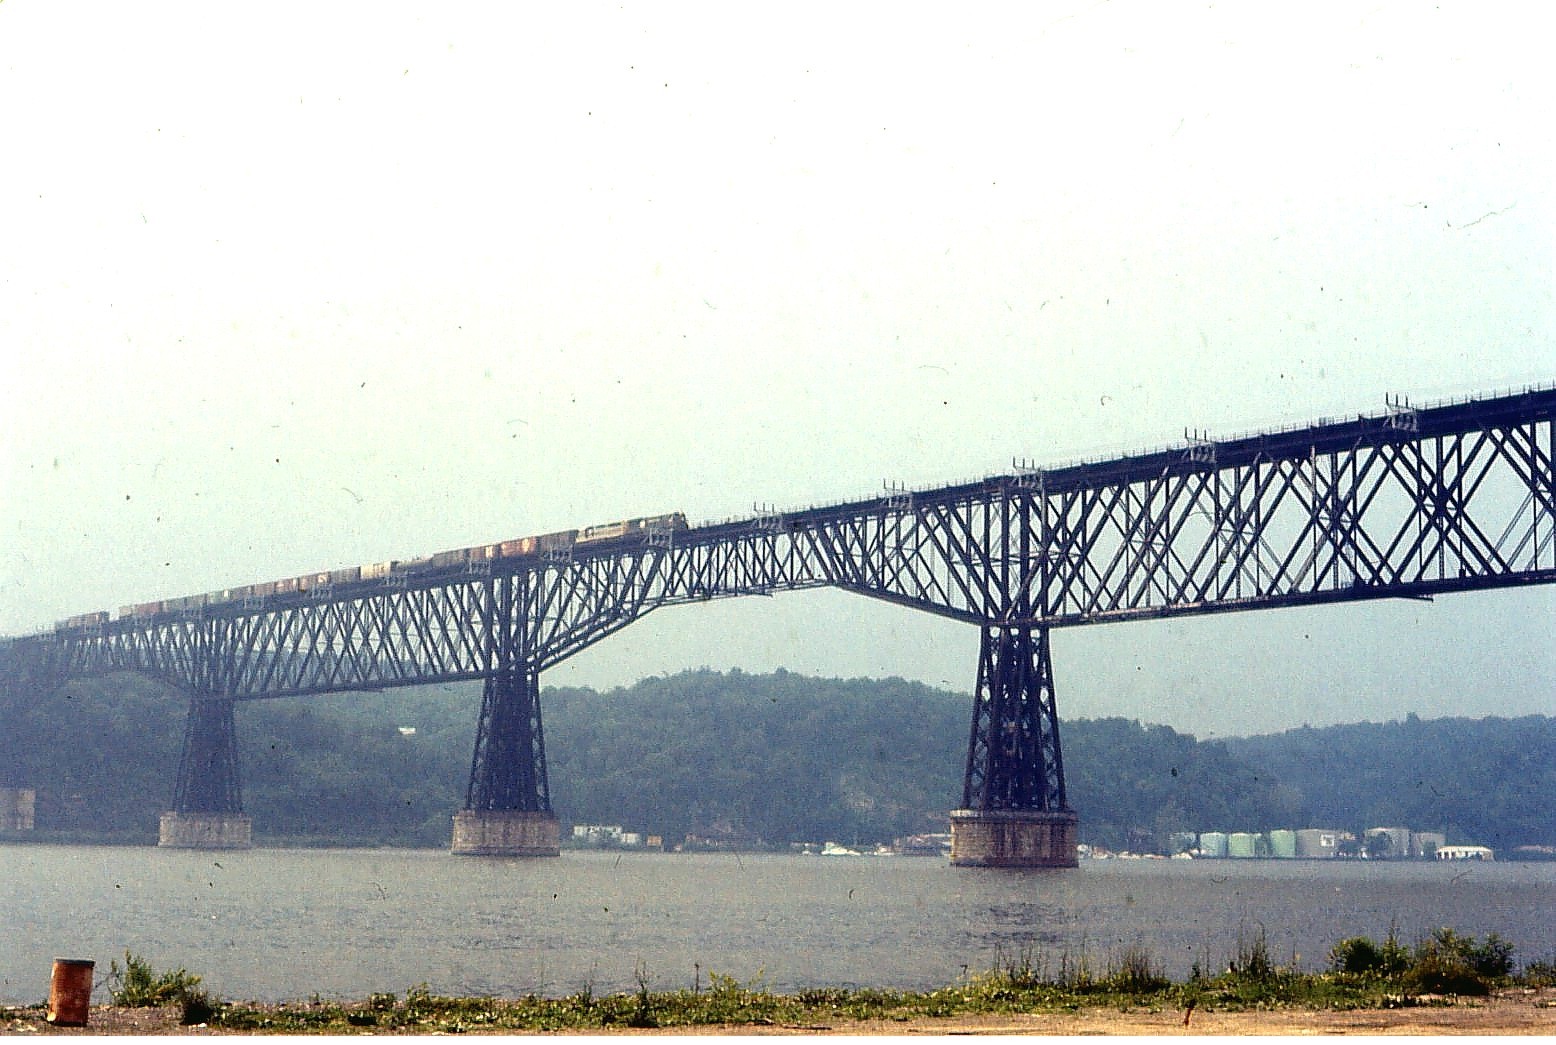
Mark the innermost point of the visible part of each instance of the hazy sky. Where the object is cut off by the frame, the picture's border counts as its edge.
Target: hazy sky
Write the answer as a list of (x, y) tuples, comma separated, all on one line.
[(319, 285)]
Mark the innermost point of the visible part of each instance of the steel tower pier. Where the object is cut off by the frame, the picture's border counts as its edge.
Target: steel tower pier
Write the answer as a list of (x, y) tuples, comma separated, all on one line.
[(1014, 810), (207, 808), (508, 804)]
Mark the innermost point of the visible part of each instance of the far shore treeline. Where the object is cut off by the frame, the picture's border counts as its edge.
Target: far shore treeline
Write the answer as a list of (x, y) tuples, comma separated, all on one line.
[(757, 760)]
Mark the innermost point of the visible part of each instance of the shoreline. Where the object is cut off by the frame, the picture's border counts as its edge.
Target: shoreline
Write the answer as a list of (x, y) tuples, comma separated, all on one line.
[(1507, 1011), (1520, 1011)]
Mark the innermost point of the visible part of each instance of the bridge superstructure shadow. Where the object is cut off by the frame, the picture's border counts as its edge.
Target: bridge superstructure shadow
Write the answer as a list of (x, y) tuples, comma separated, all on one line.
[(1407, 503)]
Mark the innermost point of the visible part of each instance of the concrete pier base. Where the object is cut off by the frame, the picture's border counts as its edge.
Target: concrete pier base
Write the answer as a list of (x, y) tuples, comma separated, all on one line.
[(506, 833), (1012, 838), (205, 831)]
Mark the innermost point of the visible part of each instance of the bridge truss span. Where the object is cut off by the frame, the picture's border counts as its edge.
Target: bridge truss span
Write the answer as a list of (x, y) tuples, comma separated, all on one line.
[(1407, 503)]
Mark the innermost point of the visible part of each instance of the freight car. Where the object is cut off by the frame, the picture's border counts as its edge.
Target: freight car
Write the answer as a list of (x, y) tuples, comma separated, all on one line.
[(251, 595), (560, 541), (140, 609)]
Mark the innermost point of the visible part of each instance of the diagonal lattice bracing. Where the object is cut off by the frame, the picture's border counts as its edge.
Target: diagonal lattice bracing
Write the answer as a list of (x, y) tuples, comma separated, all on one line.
[(508, 769), (1448, 499), (1013, 753)]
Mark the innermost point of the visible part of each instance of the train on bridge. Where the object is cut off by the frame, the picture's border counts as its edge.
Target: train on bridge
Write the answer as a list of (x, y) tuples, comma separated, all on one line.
[(560, 543)]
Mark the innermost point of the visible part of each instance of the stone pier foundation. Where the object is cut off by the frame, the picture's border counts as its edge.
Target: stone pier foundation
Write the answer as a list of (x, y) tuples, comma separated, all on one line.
[(205, 831), (1012, 838), (506, 833)]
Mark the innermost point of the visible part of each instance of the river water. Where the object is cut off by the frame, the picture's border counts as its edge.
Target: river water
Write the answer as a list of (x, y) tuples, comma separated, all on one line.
[(273, 924)]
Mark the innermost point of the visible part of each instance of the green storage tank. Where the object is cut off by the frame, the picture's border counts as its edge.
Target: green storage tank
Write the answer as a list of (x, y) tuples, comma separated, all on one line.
[(1241, 845), (1283, 844)]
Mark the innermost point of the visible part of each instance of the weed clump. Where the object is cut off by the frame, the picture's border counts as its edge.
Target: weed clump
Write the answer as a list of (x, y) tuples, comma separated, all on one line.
[(1136, 972), (137, 986), (1252, 961), (643, 1014)]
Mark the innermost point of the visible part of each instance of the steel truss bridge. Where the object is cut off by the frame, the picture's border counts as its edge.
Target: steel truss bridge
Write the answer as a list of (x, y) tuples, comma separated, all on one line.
[(1405, 503)]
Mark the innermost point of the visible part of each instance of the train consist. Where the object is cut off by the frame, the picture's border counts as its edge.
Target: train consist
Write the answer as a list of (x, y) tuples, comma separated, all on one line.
[(549, 545)]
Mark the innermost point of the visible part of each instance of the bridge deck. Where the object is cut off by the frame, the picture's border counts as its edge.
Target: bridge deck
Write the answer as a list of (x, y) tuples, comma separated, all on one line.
[(1407, 503)]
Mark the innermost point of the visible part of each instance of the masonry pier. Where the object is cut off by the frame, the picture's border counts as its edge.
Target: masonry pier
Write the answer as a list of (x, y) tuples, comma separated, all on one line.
[(506, 832), (205, 831), (1012, 838)]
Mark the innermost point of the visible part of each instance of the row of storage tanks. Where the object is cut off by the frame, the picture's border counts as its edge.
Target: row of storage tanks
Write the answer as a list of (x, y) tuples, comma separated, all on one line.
[(1307, 843)]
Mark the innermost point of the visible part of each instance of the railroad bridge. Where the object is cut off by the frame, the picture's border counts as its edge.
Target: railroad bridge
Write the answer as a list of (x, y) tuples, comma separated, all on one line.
[(1405, 503)]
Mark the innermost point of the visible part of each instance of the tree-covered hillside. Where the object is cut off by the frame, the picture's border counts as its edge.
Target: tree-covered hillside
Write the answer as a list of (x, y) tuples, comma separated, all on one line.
[(747, 758), (778, 757)]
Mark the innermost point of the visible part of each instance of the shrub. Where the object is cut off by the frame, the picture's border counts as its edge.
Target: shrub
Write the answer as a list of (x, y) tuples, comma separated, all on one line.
[(1448, 963), (1540, 973), (195, 1006), (1445, 974), (136, 986), (1492, 959), (1360, 955)]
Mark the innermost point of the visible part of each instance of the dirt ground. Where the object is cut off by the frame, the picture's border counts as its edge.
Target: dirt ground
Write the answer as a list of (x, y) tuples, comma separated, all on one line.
[(1511, 1012)]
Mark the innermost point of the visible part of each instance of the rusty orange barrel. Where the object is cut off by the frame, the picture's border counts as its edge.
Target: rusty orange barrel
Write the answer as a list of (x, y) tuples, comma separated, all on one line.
[(70, 992)]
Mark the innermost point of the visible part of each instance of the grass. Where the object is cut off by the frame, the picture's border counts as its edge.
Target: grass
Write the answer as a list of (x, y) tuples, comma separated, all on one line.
[(1363, 974)]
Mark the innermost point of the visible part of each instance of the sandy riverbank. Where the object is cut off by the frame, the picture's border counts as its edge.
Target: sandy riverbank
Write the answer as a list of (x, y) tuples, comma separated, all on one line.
[(1516, 1011)]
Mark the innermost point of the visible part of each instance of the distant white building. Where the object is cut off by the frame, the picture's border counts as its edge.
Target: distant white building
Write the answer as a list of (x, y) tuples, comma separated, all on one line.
[(1465, 852), (598, 834)]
